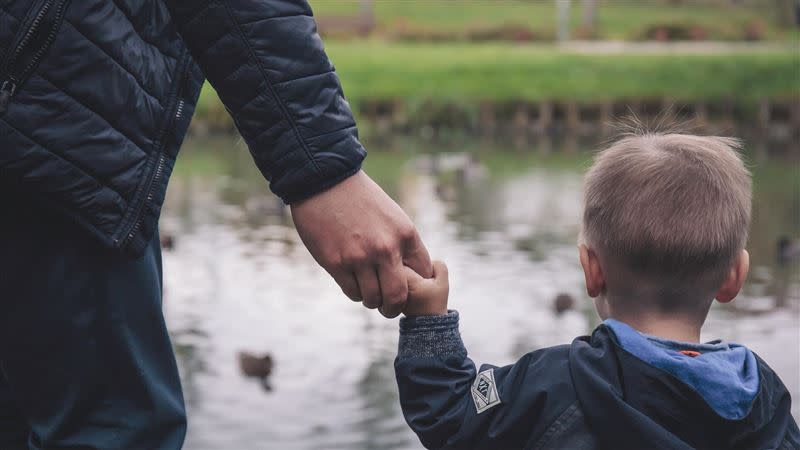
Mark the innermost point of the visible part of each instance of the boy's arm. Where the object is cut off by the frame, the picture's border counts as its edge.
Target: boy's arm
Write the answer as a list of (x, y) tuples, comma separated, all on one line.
[(434, 377), (450, 404)]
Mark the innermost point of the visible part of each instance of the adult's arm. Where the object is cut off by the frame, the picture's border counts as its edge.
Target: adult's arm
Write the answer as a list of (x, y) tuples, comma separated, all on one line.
[(267, 63)]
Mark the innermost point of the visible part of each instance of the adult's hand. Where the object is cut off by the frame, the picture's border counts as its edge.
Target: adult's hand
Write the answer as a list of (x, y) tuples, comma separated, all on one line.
[(363, 239)]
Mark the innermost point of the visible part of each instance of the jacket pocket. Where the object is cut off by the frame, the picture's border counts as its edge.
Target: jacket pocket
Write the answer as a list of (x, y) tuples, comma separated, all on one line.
[(569, 430), (30, 47)]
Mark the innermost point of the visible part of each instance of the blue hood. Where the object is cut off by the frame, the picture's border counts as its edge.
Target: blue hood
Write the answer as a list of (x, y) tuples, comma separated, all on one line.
[(724, 374), (639, 391)]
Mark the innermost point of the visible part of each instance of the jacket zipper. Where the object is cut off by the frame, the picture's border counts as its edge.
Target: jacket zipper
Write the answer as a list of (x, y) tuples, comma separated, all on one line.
[(12, 79), (153, 183)]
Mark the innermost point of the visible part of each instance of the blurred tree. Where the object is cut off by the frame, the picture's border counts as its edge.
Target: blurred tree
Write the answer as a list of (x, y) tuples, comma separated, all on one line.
[(366, 7), (788, 12), (589, 23), (562, 7)]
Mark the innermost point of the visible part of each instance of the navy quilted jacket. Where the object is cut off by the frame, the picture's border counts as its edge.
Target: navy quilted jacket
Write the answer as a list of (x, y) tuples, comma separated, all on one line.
[(96, 97)]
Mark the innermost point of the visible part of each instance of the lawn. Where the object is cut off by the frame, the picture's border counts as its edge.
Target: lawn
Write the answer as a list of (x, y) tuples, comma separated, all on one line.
[(471, 73), (616, 19)]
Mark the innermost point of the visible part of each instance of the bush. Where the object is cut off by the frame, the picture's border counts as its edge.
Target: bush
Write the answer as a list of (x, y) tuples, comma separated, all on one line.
[(404, 31), (755, 30), (507, 32), (674, 32)]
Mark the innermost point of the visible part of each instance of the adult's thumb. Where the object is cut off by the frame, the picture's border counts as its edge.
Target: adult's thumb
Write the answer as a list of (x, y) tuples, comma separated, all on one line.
[(416, 256)]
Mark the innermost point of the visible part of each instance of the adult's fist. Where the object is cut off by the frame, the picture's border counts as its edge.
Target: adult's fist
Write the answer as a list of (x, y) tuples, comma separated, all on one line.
[(360, 236)]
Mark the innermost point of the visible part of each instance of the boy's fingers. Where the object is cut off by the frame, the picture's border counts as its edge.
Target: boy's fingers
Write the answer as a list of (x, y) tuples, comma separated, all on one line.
[(419, 284), (440, 272), (412, 277)]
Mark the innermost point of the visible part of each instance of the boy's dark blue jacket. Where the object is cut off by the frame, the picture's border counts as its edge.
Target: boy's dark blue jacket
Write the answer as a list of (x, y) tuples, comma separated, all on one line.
[(615, 389), (96, 97)]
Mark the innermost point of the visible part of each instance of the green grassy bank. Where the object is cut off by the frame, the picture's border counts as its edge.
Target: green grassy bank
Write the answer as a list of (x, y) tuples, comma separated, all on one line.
[(616, 19), (469, 74)]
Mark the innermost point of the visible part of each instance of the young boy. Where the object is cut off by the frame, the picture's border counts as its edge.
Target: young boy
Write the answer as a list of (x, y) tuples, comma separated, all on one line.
[(664, 229)]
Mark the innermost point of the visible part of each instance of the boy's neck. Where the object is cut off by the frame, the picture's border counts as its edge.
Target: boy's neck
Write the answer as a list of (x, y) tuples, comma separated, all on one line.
[(672, 328)]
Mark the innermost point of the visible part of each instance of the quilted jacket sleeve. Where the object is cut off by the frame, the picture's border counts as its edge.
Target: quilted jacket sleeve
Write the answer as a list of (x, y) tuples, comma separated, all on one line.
[(451, 405), (268, 65)]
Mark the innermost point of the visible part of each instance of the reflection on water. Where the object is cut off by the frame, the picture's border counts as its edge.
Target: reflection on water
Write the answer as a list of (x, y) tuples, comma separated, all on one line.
[(239, 280)]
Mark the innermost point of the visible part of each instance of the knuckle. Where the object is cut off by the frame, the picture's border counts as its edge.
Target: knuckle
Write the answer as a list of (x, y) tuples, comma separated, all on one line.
[(352, 259), (382, 249), (330, 260), (334, 263), (407, 232)]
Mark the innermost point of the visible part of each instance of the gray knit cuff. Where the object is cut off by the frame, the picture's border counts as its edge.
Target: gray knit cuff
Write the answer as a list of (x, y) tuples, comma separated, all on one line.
[(430, 336)]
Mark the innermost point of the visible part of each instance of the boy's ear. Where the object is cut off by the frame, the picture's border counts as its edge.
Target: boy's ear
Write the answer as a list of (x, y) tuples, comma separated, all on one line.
[(735, 280), (595, 282)]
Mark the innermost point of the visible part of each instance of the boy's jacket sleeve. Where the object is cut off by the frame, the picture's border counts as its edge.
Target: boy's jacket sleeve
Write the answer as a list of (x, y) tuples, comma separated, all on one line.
[(267, 63), (441, 392)]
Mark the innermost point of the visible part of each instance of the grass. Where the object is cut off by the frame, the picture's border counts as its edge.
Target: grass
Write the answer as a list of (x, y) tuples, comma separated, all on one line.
[(505, 72), (468, 74), (616, 19)]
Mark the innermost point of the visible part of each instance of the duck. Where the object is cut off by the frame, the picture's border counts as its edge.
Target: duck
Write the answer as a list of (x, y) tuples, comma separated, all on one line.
[(788, 251), (562, 303), (167, 241), (254, 366), (472, 170)]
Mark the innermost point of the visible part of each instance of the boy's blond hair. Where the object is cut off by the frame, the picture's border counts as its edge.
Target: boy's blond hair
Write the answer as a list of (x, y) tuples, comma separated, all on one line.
[(669, 206)]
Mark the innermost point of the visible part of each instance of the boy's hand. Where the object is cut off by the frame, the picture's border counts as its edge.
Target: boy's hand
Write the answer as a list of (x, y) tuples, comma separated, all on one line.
[(427, 297)]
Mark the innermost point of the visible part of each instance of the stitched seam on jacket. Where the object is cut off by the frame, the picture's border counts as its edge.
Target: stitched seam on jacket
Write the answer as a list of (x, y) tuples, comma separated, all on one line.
[(139, 34), (305, 76), (209, 47), (200, 11), (119, 64), (558, 425), (283, 156), (91, 176), (273, 92), (327, 184), (331, 132), (236, 72), (265, 19), (17, 19), (93, 112)]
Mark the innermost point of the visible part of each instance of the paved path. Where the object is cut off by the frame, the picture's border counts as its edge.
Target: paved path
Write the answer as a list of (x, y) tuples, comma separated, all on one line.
[(706, 47)]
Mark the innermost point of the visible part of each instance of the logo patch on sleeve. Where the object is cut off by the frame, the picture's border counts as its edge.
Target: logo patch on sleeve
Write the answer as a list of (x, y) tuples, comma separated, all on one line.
[(484, 391)]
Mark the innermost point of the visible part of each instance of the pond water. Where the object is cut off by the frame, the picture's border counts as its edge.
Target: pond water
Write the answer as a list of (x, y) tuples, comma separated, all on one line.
[(238, 279)]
